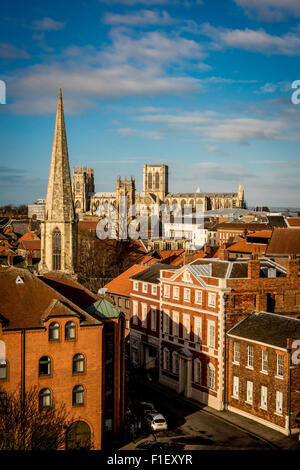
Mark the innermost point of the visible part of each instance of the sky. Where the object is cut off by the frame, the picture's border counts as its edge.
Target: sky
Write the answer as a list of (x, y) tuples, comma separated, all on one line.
[(204, 86)]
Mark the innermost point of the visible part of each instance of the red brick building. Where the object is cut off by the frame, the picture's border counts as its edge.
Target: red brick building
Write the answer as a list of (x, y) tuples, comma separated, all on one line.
[(197, 304), (263, 380), (71, 356), (145, 327)]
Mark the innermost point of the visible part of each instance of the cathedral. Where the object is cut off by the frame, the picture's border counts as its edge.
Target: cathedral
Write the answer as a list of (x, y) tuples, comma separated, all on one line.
[(66, 201), (155, 192)]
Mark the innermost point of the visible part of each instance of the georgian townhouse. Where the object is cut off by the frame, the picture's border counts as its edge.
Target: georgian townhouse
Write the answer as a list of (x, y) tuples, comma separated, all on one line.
[(264, 370), (69, 343), (145, 316), (203, 300)]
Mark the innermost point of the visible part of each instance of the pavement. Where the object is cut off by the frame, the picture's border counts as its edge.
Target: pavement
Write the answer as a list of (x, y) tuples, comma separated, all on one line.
[(273, 439)]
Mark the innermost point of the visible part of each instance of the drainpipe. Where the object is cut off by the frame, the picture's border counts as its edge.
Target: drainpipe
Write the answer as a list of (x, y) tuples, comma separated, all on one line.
[(289, 397)]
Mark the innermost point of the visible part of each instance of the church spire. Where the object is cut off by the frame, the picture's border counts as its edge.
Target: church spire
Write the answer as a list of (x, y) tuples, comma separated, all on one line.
[(59, 228), (59, 201)]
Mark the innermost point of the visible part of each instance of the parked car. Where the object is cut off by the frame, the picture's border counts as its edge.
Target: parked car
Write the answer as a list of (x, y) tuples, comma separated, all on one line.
[(156, 422), (142, 408)]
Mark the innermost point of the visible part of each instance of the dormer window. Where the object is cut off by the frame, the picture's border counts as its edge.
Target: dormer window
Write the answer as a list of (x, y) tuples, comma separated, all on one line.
[(54, 331), (70, 331)]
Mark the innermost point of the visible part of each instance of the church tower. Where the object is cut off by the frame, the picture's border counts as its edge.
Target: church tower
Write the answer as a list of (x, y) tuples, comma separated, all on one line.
[(59, 229)]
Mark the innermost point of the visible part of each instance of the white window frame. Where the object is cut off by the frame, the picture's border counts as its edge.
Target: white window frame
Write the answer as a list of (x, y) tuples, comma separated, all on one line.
[(166, 290), (279, 402), (197, 329), (166, 321), (175, 292), (212, 299), (135, 312), (145, 288), (175, 363), (136, 285), (144, 315), (250, 357), (210, 324), (186, 322), (249, 392), (198, 293), (235, 387), (166, 359), (197, 371), (186, 294), (264, 361), (236, 352), (280, 367), (153, 314), (154, 290), (211, 378), (264, 398), (175, 324)]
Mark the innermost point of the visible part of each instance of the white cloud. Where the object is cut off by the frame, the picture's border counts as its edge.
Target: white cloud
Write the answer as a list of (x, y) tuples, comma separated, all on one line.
[(128, 132), (253, 40), (139, 18), (270, 10), (48, 24), (9, 51)]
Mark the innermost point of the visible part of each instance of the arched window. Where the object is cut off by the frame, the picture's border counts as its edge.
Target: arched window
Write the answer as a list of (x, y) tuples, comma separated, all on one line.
[(149, 180), (157, 180), (78, 364), (78, 436), (197, 371), (78, 395), (56, 250), (45, 398), (54, 331), (77, 205), (70, 331), (3, 370), (211, 377), (44, 366)]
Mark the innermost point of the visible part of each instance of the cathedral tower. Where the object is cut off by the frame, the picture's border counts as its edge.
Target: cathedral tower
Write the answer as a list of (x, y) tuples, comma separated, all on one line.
[(155, 180), (59, 229), (83, 185)]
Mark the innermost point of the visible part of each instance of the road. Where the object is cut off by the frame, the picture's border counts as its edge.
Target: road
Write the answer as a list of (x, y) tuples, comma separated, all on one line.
[(191, 428)]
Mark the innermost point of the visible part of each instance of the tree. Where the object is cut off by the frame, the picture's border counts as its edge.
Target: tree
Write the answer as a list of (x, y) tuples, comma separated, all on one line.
[(24, 426)]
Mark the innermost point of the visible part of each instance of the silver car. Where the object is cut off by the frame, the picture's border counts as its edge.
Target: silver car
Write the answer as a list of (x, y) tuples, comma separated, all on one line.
[(156, 422)]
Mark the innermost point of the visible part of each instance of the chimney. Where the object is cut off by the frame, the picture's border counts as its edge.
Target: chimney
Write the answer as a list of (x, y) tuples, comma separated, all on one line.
[(254, 267), (292, 269), (223, 253), (261, 303)]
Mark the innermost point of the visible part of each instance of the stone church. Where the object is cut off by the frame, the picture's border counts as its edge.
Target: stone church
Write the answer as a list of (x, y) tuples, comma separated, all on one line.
[(155, 192)]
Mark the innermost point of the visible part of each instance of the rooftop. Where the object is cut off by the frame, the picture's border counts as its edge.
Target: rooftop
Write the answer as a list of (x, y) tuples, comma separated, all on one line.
[(152, 274), (268, 328), (121, 285), (284, 241)]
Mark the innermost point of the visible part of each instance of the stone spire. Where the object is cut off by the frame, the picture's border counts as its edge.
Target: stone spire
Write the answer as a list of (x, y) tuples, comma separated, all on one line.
[(59, 200), (59, 228)]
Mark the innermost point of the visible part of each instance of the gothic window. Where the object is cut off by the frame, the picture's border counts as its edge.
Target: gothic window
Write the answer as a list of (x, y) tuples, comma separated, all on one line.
[(77, 205), (78, 186), (157, 180), (150, 181), (56, 250)]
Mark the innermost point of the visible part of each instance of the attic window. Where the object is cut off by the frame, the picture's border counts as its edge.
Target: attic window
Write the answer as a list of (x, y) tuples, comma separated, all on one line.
[(19, 280)]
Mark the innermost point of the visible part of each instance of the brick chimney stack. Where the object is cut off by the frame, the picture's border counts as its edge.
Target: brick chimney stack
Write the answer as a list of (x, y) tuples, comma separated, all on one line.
[(292, 269), (254, 267), (223, 253)]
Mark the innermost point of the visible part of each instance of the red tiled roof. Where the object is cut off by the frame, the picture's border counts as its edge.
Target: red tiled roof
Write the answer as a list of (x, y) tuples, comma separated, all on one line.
[(29, 236), (261, 234), (243, 247), (284, 241), (30, 245), (121, 285), (293, 222)]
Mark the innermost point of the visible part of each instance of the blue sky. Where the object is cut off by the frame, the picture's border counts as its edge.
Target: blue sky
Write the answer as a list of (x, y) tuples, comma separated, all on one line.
[(203, 86)]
